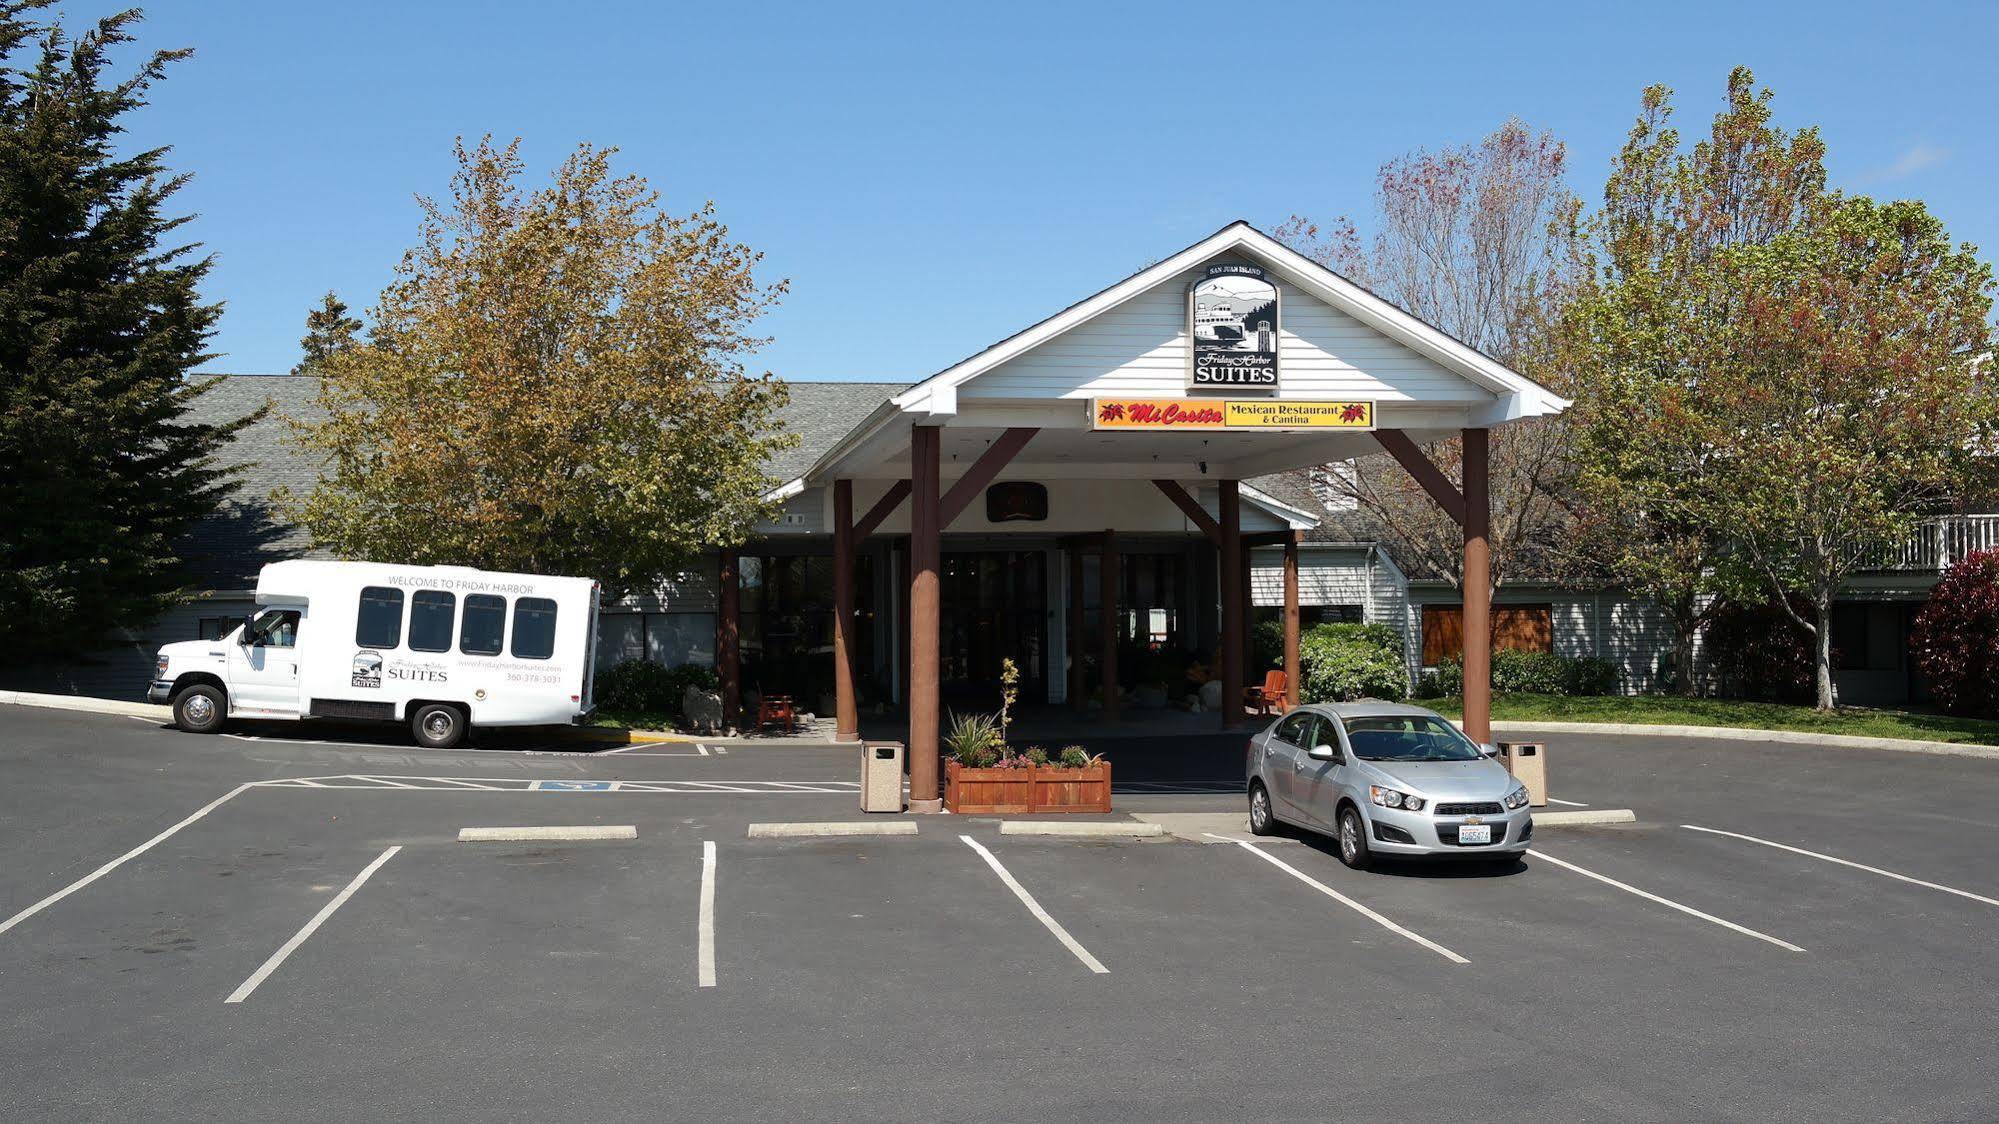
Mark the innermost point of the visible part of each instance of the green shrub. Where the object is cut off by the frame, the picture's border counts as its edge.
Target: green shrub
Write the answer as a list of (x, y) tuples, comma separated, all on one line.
[(1375, 634), (1341, 666), (642, 685), (1532, 673), (973, 740), (1036, 755), (1074, 757)]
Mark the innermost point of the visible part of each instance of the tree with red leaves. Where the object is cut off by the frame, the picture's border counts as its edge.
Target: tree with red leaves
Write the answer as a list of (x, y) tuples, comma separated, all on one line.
[(1955, 639)]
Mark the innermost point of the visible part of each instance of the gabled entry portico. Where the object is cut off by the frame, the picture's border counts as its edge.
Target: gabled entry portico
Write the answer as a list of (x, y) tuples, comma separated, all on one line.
[(1126, 424)]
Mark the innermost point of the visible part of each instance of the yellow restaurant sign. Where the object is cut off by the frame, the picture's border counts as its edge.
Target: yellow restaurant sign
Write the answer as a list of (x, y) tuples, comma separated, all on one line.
[(1227, 413)]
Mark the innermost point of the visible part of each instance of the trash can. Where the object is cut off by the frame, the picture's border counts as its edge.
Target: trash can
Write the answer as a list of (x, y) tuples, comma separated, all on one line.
[(881, 776), (1528, 761)]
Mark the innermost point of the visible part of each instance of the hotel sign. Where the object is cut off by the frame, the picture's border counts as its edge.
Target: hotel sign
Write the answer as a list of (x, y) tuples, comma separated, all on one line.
[(1232, 321), (1227, 414)]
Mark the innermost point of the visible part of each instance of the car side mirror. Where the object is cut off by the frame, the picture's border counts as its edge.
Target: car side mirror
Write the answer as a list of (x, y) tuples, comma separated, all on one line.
[(1323, 753), (1488, 750)]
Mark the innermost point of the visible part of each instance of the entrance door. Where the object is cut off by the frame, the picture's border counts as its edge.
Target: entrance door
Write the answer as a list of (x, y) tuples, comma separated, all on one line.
[(995, 607)]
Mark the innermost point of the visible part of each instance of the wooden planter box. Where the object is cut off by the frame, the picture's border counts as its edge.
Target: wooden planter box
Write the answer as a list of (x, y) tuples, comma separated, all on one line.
[(1041, 788)]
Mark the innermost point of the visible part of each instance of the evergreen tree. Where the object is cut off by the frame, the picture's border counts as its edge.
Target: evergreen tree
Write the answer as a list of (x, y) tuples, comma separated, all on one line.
[(328, 331), (101, 471)]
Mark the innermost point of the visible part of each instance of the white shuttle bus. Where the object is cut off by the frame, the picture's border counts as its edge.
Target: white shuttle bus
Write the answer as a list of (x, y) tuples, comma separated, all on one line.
[(443, 648)]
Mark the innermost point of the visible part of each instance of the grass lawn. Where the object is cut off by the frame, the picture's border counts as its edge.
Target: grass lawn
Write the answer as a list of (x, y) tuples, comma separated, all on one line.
[(636, 719), (1658, 710)]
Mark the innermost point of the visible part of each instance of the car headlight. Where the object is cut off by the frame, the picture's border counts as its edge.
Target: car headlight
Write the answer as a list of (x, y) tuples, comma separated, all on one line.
[(1517, 798), (1390, 798)]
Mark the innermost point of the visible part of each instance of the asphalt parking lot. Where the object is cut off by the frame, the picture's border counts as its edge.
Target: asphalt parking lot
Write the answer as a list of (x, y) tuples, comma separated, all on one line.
[(305, 938)]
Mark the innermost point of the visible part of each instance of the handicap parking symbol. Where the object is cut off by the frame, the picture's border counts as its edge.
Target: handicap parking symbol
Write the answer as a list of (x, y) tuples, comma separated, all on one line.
[(572, 786)]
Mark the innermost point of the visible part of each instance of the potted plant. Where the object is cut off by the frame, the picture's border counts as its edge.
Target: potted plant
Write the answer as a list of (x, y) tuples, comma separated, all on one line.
[(984, 776)]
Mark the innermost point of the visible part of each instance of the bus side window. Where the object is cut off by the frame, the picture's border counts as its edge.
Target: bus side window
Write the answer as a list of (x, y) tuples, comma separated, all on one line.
[(431, 613), (480, 633), (534, 628), (379, 623)]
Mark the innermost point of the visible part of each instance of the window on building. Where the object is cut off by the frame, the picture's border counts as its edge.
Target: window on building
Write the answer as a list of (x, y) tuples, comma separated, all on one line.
[(484, 625), (1520, 628), (431, 615), (216, 628), (534, 628), (379, 622)]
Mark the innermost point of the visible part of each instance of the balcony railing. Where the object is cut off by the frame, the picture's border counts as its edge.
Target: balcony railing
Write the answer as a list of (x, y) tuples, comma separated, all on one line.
[(1936, 543)]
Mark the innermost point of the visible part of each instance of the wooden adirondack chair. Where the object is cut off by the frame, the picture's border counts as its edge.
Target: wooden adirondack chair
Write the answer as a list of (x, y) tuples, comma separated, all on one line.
[(1269, 695)]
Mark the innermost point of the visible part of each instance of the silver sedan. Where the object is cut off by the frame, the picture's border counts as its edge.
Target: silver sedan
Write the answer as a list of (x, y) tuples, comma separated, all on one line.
[(1385, 779)]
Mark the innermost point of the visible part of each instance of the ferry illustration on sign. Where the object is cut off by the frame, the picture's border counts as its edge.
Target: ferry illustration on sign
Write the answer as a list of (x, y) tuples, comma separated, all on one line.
[(1233, 321)]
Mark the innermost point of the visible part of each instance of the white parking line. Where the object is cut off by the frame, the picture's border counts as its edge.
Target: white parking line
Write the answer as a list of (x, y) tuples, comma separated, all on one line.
[(1847, 862), (260, 975), (114, 864), (1667, 902), (702, 748), (1364, 911), (706, 955), (1034, 907), (1568, 803)]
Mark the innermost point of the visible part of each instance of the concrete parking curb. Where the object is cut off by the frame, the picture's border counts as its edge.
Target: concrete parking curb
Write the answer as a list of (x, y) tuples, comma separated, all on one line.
[(1584, 819), (86, 704), (1736, 733), (546, 834), (1084, 829), (828, 830)]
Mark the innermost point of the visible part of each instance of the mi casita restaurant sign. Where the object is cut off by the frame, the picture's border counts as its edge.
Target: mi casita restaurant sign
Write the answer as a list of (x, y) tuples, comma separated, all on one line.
[(1232, 320), (1227, 414)]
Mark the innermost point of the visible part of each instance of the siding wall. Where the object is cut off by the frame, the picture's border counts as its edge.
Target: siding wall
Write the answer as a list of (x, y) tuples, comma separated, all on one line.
[(122, 670), (1141, 347), (1325, 577), (1635, 635)]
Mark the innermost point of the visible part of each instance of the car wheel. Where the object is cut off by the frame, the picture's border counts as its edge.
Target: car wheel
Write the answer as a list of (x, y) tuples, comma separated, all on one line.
[(1262, 821), (1353, 839), (201, 709), (438, 726)]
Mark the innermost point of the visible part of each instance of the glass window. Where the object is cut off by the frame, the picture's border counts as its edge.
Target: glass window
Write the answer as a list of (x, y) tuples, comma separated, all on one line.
[(380, 622), (479, 634), (431, 613), (1408, 738), (620, 637), (216, 628), (274, 628), (534, 628), (677, 638), (1294, 729)]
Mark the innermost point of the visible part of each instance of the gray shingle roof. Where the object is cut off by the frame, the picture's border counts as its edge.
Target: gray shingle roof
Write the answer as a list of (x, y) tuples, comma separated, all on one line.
[(226, 550)]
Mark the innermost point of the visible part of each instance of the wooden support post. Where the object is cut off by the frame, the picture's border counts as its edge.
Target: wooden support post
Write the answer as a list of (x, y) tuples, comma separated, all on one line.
[(1108, 570), (1079, 691), (1233, 607), (847, 717), (1291, 666), (925, 618), (1477, 590), (728, 658)]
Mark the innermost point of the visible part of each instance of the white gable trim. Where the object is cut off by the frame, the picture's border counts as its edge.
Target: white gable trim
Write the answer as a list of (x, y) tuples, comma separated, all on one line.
[(1518, 396)]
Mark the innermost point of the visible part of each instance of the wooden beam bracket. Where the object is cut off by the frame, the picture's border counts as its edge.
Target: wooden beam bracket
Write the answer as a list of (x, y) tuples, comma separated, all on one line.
[(1424, 471), (883, 508), (1172, 490), (996, 457)]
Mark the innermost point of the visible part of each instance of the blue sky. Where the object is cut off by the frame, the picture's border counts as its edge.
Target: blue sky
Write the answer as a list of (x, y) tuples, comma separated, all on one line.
[(934, 177)]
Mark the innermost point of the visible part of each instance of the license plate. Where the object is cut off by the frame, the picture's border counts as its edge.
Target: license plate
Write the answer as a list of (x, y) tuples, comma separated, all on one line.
[(1475, 833)]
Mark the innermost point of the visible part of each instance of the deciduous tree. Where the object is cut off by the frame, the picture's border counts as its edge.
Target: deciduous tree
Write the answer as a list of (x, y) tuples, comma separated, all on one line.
[(553, 383), (102, 473), (1464, 242), (1644, 322)]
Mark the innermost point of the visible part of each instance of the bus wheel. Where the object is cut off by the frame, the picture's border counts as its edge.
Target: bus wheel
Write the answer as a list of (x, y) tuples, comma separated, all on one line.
[(200, 709), (438, 725)]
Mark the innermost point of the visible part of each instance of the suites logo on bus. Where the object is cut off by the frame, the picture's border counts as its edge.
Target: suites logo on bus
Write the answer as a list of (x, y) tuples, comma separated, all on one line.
[(1232, 319), (367, 668)]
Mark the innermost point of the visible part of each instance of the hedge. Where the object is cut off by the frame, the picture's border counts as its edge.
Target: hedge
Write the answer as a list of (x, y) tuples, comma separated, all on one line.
[(1342, 662), (1528, 673), (636, 685)]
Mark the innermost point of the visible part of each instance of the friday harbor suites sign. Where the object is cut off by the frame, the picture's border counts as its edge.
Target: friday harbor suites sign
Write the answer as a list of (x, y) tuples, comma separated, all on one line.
[(1232, 319)]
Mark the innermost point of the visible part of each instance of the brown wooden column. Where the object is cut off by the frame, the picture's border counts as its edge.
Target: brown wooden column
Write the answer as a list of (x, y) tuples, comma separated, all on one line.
[(1079, 692), (847, 716), (1477, 590), (1233, 605), (728, 656), (1291, 666), (1108, 571), (925, 617)]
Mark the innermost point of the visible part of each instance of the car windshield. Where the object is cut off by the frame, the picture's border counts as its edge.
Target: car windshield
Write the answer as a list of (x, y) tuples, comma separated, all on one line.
[(1408, 737)]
